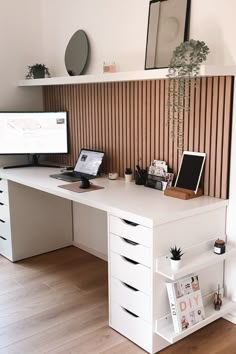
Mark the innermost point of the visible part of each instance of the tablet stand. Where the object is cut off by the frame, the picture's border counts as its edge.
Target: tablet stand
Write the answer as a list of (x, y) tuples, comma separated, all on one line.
[(182, 193)]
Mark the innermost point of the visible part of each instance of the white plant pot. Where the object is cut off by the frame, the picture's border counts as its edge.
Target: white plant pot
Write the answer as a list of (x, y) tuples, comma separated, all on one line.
[(128, 178), (175, 264)]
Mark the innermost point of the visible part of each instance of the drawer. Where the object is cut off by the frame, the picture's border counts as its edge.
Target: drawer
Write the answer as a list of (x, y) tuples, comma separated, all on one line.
[(131, 273), (131, 231), (4, 197), (131, 299), (131, 326), (3, 185), (131, 249), (5, 229), (4, 212), (6, 248)]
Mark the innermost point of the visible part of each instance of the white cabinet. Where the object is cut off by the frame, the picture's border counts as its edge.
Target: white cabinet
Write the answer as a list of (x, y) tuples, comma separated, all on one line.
[(139, 269), (32, 222)]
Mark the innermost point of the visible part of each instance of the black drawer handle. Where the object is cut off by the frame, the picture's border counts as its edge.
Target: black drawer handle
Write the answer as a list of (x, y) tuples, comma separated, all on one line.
[(2, 221), (1, 203), (131, 223), (130, 313), (3, 238), (1, 191), (130, 242), (129, 260), (129, 286)]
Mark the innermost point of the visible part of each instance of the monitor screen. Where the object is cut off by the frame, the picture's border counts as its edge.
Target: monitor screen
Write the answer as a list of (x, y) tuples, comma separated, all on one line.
[(89, 162), (33, 132), (190, 170)]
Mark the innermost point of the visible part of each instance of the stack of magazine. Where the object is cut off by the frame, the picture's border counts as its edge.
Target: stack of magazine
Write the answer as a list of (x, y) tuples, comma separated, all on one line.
[(185, 303)]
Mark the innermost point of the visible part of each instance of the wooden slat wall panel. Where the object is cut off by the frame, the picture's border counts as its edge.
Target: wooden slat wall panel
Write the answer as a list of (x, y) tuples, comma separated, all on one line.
[(128, 120)]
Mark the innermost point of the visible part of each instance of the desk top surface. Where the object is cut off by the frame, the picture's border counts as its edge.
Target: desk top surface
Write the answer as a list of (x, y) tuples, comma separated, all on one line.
[(143, 205)]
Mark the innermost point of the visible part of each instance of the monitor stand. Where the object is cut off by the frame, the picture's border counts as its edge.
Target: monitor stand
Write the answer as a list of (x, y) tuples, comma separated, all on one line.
[(84, 184), (35, 163)]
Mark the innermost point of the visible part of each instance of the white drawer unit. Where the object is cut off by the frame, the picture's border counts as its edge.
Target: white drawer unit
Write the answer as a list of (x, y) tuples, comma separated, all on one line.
[(32, 222), (130, 298), (131, 272), (131, 249), (131, 326), (131, 231)]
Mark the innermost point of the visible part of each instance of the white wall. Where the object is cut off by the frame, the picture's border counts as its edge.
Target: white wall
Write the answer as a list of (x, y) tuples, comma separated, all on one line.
[(117, 31), (21, 45)]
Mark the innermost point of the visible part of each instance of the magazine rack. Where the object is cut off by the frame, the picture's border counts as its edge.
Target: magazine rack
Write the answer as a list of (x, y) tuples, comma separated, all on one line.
[(201, 257), (182, 193)]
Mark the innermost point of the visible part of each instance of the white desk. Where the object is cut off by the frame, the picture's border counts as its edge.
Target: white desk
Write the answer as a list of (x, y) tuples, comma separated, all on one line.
[(39, 222)]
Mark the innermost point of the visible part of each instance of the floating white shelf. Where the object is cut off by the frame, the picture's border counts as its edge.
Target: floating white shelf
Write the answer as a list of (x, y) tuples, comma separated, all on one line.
[(165, 329), (193, 263), (205, 70)]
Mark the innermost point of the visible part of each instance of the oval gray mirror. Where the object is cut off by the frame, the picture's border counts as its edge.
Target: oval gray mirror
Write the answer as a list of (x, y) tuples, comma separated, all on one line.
[(77, 52)]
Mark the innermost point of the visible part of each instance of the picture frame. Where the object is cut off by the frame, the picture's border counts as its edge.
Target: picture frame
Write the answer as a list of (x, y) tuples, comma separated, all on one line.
[(168, 26)]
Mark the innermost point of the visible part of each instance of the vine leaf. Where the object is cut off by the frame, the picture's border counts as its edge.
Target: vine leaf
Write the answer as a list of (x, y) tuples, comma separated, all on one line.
[(183, 69)]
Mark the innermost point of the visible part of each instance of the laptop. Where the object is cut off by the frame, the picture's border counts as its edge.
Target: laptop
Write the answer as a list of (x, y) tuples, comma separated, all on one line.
[(87, 166)]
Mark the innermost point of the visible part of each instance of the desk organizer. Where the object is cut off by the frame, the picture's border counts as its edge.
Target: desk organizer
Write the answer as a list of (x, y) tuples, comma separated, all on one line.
[(182, 193)]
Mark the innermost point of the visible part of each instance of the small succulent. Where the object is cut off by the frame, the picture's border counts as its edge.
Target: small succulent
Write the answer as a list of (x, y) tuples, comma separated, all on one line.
[(37, 71), (176, 253), (128, 171)]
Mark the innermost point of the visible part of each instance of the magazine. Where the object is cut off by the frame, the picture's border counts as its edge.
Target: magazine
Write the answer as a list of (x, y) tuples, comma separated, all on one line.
[(185, 303)]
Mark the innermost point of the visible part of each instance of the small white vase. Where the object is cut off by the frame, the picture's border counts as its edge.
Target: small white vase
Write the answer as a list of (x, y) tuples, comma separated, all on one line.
[(175, 264)]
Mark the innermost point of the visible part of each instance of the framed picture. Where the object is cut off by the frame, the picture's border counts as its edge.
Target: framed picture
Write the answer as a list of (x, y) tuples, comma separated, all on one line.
[(168, 26)]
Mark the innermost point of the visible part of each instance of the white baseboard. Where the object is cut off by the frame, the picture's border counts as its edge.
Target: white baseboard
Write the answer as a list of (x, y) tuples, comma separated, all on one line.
[(230, 317), (90, 250)]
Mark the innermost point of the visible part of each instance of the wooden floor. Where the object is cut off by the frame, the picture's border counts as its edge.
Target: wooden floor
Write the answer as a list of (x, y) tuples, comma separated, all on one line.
[(57, 303)]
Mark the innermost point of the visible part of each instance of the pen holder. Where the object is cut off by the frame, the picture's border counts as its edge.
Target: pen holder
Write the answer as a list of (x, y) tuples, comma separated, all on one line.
[(140, 177)]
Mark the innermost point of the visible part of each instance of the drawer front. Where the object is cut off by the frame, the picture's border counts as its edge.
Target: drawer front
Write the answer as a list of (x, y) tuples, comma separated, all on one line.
[(4, 212), (134, 274), (6, 248), (131, 299), (131, 249), (4, 197), (3, 185), (5, 230), (131, 231), (132, 327)]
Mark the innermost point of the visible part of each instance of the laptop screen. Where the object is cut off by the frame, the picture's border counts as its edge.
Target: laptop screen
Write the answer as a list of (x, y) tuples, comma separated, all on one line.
[(89, 162)]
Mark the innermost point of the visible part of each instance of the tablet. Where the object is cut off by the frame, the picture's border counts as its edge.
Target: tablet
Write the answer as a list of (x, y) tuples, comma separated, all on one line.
[(190, 170)]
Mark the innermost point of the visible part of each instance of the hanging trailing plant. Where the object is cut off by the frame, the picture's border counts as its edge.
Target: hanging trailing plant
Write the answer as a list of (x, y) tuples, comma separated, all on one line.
[(183, 68)]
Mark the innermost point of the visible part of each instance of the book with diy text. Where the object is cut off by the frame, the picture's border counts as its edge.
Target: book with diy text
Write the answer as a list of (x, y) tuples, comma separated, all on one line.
[(185, 303)]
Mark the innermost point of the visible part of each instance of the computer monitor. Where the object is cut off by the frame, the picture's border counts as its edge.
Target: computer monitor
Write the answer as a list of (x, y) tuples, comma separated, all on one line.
[(33, 133)]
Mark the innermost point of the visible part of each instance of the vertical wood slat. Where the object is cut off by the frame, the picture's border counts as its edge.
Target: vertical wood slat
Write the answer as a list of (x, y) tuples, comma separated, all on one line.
[(129, 121)]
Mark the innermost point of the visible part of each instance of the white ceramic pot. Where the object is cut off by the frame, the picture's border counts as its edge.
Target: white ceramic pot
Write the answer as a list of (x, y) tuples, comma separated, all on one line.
[(175, 264), (128, 178)]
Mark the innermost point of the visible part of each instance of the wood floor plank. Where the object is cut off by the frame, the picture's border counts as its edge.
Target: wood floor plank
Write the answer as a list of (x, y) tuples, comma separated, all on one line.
[(61, 334), (58, 303), (92, 343)]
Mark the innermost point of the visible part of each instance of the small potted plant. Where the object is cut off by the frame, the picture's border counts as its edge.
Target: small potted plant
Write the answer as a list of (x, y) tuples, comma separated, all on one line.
[(175, 259), (128, 174), (37, 71)]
